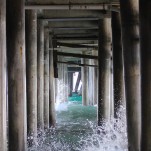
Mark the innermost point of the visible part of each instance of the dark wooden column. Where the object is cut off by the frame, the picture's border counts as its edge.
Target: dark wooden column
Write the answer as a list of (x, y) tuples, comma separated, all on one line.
[(40, 75), (118, 67), (131, 50), (52, 114), (84, 73), (95, 78), (31, 72), (16, 75), (46, 80), (3, 141), (70, 80), (145, 37), (104, 62)]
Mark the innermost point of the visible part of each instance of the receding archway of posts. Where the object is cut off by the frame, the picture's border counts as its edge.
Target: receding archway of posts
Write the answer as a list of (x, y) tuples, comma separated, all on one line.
[(104, 62), (118, 67), (31, 73), (16, 75), (3, 140), (145, 39), (131, 51)]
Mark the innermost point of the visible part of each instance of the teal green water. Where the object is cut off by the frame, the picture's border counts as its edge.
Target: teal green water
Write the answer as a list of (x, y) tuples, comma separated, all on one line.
[(76, 130), (75, 97), (75, 121)]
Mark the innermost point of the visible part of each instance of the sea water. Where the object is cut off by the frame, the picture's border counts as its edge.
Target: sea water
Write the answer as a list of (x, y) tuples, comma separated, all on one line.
[(77, 130)]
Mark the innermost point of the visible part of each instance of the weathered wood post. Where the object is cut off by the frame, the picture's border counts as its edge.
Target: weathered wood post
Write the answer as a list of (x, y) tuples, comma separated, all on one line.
[(131, 50), (84, 73), (16, 75), (3, 140), (52, 114), (40, 74), (111, 88), (90, 82), (66, 81), (118, 67), (104, 62), (145, 40), (70, 82), (46, 79), (31, 72), (95, 78)]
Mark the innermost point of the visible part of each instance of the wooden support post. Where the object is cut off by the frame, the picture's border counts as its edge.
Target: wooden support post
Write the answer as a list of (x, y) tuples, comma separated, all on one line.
[(52, 114), (78, 82), (16, 75), (111, 89), (131, 50), (31, 70), (145, 39), (118, 67), (104, 54), (46, 79), (95, 78), (84, 73), (40, 75), (65, 82), (55, 67), (70, 80), (3, 140), (90, 83)]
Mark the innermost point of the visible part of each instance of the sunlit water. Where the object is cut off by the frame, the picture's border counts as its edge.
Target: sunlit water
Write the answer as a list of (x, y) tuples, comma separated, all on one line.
[(76, 130)]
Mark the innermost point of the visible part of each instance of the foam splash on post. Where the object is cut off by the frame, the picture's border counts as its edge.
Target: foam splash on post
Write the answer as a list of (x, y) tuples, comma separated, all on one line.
[(62, 91), (112, 136)]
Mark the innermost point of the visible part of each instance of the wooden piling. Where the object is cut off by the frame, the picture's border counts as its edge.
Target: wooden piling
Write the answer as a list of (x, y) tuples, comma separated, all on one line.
[(145, 40), (104, 62), (95, 78), (46, 79), (52, 112), (40, 75), (70, 82), (84, 73), (31, 73), (16, 75), (131, 49), (118, 67), (3, 140)]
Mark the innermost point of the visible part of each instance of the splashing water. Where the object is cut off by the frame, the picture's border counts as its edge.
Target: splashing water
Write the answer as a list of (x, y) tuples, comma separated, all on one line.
[(111, 136), (77, 130), (62, 89)]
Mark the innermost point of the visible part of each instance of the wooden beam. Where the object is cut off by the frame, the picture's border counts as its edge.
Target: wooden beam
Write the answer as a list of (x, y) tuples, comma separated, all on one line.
[(76, 45), (74, 69), (76, 55), (100, 6), (76, 38), (79, 64)]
